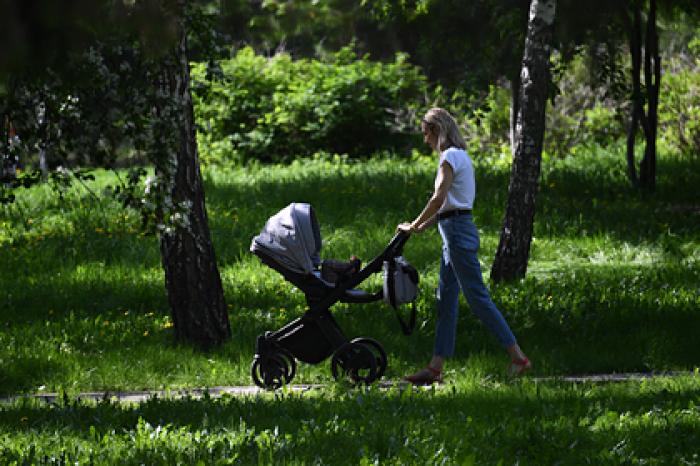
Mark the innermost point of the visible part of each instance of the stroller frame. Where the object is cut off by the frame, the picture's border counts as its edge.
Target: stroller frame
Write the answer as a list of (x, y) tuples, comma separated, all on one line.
[(316, 335)]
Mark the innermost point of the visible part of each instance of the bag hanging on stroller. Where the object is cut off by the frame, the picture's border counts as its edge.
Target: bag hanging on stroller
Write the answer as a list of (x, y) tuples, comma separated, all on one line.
[(290, 243), (401, 287)]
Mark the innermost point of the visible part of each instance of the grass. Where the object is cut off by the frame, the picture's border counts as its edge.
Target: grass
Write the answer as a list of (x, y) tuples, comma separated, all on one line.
[(613, 285), (478, 420)]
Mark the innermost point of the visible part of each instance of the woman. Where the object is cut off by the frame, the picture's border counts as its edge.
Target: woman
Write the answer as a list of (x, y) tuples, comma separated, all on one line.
[(450, 206)]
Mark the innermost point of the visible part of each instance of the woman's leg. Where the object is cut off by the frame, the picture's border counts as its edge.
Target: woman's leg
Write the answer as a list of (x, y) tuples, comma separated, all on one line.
[(447, 295), (447, 310), (468, 272), (465, 263)]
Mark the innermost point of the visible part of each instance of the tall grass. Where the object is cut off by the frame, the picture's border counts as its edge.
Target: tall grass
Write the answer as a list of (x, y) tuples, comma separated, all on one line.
[(476, 421), (613, 282), (613, 285)]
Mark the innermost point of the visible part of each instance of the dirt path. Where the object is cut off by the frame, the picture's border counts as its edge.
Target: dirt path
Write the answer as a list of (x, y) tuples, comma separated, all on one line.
[(215, 392), (140, 396)]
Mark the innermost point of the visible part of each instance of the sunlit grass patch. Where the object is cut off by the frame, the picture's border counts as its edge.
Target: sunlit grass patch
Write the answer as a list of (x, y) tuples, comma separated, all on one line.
[(610, 272)]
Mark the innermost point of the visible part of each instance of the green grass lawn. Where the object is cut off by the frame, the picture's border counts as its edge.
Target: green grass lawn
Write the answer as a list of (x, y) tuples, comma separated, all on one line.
[(613, 285), (476, 420)]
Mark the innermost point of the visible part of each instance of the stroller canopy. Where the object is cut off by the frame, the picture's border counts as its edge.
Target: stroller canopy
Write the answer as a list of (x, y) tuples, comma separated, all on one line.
[(292, 237)]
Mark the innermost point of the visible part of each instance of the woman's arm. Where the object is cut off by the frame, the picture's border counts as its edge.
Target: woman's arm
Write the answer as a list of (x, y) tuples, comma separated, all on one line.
[(443, 182)]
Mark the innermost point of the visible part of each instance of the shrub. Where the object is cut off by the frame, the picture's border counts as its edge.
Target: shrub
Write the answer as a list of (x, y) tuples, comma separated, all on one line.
[(679, 102), (487, 125), (586, 110), (580, 114), (274, 109)]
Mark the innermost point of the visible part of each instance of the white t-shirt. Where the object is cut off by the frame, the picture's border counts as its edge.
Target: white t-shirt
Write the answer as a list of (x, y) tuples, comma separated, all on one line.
[(463, 190)]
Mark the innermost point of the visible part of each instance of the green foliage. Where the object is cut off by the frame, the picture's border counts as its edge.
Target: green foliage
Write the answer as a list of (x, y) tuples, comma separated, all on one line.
[(602, 125), (85, 307), (278, 108), (477, 421), (475, 41), (487, 123), (679, 102), (585, 113), (580, 114), (612, 286)]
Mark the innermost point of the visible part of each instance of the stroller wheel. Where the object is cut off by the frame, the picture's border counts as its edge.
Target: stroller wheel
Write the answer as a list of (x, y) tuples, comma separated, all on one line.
[(355, 361), (291, 364), (272, 370), (378, 351)]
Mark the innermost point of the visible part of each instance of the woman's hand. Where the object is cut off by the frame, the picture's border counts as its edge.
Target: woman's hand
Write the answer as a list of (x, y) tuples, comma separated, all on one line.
[(405, 227), (410, 227)]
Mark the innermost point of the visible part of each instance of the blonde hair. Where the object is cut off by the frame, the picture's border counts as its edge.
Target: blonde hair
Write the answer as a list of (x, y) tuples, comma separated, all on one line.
[(448, 131)]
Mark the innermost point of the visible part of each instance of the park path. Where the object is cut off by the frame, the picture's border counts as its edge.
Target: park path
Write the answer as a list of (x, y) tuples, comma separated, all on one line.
[(242, 391)]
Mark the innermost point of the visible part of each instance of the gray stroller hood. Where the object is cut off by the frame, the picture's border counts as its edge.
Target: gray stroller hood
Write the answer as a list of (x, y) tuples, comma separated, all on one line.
[(292, 237)]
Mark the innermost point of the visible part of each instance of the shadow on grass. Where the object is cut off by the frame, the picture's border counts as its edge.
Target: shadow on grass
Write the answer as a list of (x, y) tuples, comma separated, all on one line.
[(624, 319), (529, 422), (574, 201), (96, 289), (585, 197), (28, 371), (600, 200), (354, 200)]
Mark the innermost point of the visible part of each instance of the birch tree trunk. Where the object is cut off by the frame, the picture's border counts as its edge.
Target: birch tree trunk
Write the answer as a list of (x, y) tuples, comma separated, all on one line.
[(514, 110), (192, 279), (514, 246)]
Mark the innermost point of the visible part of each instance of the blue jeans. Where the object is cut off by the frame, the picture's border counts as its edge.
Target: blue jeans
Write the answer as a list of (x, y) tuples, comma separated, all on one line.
[(460, 269)]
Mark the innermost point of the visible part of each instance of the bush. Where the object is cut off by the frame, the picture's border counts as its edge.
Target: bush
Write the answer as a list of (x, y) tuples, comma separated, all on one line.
[(679, 102), (487, 125), (274, 109), (581, 114), (585, 111)]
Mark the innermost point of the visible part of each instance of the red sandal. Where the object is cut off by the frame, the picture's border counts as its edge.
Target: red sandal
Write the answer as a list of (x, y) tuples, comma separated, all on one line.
[(517, 367), (426, 376)]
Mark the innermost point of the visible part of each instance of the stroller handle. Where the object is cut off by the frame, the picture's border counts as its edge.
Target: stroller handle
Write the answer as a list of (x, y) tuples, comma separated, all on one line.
[(395, 247)]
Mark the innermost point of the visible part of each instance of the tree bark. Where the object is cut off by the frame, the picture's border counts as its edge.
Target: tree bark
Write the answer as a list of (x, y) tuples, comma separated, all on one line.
[(647, 118), (514, 246), (514, 110), (192, 279), (637, 104), (652, 78)]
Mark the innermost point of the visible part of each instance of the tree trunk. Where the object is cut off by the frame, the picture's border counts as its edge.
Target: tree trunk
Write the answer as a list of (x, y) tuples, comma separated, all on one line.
[(514, 246), (514, 110), (43, 120), (652, 78), (192, 277), (648, 118), (637, 104)]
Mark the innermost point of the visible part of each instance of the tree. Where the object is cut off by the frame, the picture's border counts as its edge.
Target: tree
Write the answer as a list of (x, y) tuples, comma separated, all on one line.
[(635, 23), (614, 23), (652, 80), (516, 235), (192, 277), (144, 84)]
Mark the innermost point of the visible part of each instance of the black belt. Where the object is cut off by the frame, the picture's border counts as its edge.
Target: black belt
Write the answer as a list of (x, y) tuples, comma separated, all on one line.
[(452, 213)]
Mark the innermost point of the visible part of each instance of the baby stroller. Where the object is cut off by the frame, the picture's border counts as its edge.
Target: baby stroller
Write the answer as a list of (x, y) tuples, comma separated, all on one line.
[(290, 243)]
